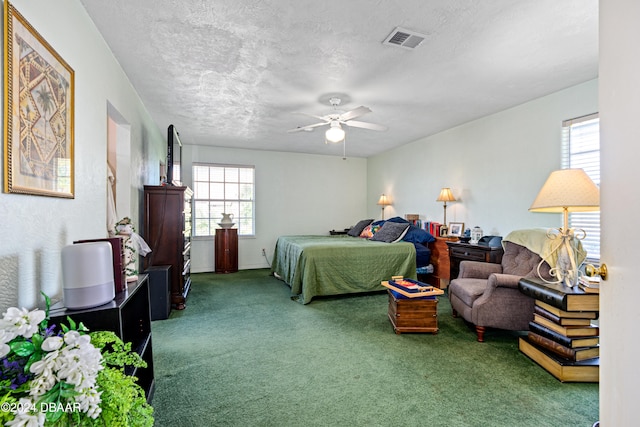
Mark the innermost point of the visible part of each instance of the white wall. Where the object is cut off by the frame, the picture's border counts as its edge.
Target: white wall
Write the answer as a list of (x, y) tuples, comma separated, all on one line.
[(295, 194), (495, 166), (35, 228)]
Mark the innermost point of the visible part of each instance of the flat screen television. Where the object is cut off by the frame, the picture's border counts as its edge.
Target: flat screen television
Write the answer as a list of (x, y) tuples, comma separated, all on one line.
[(174, 156)]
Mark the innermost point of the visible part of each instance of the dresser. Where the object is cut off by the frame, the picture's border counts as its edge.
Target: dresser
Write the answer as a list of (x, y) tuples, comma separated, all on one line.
[(459, 252), (128, 316), (226, 250), (167, 230), (440, 262)]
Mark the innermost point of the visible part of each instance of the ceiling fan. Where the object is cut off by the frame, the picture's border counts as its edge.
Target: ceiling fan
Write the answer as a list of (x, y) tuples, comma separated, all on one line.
[(335, 120)]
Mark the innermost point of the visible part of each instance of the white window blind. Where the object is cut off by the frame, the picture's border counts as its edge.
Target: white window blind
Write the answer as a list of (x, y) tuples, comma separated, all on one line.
[(581, 149), (223, 188)]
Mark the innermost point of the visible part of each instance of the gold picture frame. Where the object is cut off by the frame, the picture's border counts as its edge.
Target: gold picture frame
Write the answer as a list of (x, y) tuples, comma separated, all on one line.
[(38, 113)]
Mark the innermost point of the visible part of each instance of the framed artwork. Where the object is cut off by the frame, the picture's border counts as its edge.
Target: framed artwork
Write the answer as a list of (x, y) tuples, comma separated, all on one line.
[(456, 229), (38, 113)]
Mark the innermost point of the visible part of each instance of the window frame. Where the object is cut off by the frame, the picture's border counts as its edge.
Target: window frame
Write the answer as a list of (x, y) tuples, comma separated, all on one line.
[(584, 159), (228, 204)]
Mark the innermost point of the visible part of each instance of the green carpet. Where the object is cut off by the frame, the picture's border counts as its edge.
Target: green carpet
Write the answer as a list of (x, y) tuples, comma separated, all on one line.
[(244, 354)]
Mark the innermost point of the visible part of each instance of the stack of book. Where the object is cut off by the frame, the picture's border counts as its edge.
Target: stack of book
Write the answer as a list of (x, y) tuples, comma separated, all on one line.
[(569, 334), (563, 337), (414, 219), (433, 228), (589, 284)]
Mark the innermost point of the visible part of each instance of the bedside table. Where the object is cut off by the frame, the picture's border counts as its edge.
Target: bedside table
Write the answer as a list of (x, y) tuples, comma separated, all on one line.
[(339, 232), (459, 252), (440, 261)]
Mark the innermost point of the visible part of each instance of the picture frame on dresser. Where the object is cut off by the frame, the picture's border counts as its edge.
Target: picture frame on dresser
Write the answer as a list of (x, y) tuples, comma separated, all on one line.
[(456, 229)]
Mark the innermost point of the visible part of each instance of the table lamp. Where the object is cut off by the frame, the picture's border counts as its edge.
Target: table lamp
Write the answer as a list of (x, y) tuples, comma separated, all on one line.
[(384, 202), (567, 190), (445, 196)]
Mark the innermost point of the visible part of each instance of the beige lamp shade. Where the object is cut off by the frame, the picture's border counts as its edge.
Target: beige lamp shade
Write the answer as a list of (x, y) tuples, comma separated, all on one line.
[(446, 196), (384, 201), (567, 190)]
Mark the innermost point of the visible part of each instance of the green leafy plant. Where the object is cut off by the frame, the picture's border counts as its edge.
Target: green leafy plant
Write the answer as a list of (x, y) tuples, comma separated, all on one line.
[(67, 377)]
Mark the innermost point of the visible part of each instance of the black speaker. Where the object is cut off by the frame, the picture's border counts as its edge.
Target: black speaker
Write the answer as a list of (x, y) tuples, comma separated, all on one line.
[(159, 294)]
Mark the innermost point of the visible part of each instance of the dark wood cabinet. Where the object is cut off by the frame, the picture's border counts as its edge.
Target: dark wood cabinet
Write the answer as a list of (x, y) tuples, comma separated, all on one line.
[(459, 252), (226, 250), (128, 316), (167, 230)]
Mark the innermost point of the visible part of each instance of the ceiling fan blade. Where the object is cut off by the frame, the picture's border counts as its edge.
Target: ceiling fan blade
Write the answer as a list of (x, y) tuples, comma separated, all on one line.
[(312, 115), (308, 127), (357, 112), (365, 125)]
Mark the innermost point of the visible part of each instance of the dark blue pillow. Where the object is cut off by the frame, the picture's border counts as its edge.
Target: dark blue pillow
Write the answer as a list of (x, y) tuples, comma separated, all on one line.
[(398, 219), (418, 235)]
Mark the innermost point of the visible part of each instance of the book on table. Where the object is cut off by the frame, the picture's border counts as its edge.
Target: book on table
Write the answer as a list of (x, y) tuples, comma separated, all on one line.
[(567, 314), (565, 321), (568, 331), (589, 289), (565, 370), (560, 296), (570, 342), (573, 354), (593, 281)]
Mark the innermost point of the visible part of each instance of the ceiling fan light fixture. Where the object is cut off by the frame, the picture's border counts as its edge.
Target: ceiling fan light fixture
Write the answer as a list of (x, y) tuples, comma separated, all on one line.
[(335, 133)]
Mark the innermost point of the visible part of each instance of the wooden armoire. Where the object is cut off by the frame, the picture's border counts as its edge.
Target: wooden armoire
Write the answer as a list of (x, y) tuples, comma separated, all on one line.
[(167, 230)]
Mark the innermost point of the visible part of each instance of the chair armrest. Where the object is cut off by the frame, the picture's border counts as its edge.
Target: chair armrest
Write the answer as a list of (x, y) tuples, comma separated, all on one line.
[(478, 270), (504, 281)]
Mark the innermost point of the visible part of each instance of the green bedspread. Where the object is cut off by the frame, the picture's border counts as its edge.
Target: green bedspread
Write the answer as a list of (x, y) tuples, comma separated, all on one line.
[(334, 265)]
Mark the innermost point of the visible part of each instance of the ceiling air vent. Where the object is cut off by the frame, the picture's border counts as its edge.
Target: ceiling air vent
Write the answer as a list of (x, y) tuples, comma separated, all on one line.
[(404, 38)]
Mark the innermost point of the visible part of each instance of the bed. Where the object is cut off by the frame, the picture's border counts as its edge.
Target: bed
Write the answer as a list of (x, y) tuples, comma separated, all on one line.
[(341, 264)]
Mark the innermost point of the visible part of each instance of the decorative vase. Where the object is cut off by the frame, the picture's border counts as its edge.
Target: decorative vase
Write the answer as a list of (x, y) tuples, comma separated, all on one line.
[(227, 220)]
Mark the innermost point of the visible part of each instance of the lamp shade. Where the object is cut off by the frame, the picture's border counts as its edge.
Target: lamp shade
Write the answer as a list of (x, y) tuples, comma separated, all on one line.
[(335, 133), (567, 189), (384, 201), (446, 195)]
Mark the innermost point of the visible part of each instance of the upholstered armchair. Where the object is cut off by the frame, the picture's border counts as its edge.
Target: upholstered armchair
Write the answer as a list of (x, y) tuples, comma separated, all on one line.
[(487, 295)]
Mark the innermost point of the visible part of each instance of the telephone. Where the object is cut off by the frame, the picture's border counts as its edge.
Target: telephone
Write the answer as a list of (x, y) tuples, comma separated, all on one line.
[(491, 241)]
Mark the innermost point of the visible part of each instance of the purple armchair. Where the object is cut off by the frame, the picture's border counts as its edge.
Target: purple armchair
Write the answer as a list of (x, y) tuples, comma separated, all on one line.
[(487, 295)]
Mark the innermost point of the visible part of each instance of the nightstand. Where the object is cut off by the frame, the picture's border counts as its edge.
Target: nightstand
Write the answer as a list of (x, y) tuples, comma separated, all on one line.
[(459, 252), (339, 232), (440, 261)]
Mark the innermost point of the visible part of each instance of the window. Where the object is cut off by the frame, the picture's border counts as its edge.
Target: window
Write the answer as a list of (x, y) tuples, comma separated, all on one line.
[(581, 149), (223, 188)]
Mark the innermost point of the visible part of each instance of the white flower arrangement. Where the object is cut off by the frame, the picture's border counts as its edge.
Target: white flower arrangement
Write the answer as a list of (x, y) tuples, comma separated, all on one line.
[(50, 378)]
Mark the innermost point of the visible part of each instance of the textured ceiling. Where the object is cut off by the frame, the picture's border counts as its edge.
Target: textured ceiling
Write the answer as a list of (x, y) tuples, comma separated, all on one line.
[(232, 73)]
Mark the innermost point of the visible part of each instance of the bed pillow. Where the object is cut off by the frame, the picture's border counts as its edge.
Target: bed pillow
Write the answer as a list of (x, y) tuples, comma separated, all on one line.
[(357, 229), (369, 231), (381, 222), (391, 232), (418, 235), (398, 219)]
